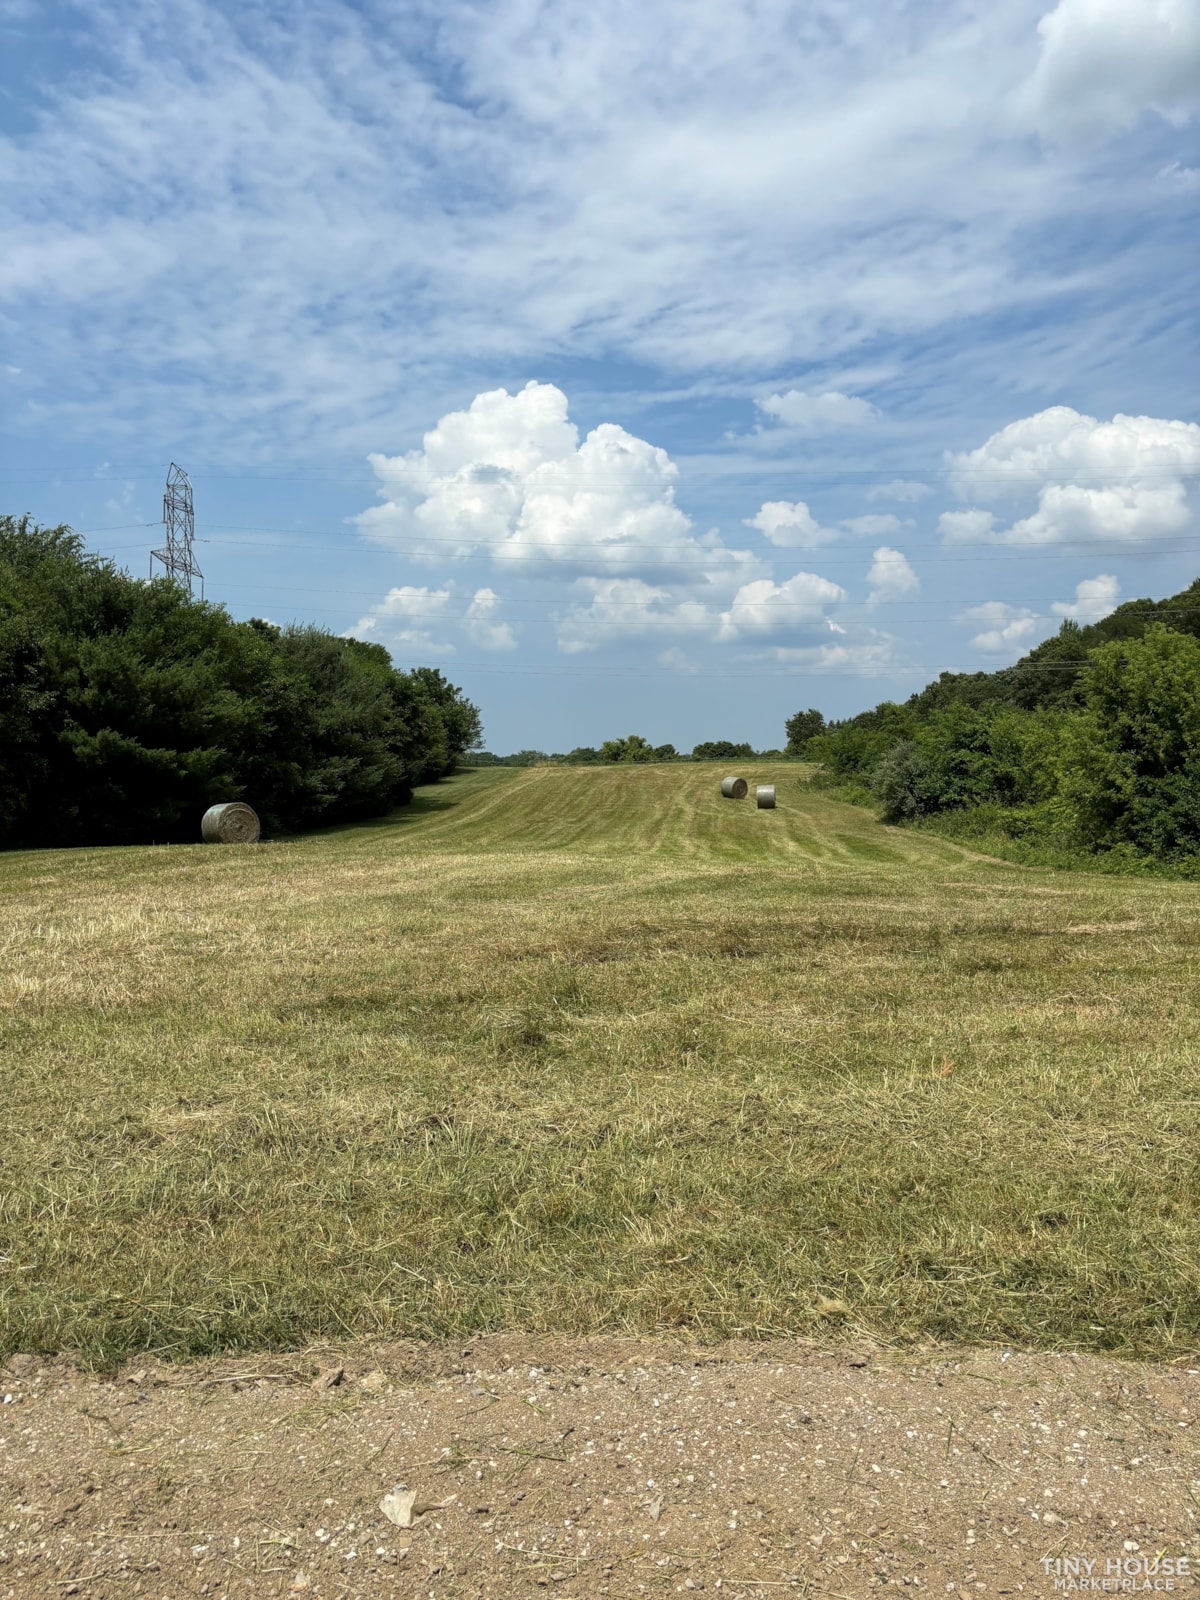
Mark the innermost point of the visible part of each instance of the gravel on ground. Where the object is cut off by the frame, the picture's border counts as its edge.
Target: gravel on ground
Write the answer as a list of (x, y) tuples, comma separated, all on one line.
[(600, 1467)]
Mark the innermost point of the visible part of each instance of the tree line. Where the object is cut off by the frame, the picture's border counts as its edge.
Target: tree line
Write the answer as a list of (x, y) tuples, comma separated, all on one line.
[(629, 750), (1090, 744), (127, 708)]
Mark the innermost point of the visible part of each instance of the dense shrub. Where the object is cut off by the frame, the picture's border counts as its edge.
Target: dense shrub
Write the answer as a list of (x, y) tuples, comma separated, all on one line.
[(1094, 745), (1134, 768), (127, 707)]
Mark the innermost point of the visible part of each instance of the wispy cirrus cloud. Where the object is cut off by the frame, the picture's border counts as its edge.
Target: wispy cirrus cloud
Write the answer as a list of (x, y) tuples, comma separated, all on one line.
[(300, 211)]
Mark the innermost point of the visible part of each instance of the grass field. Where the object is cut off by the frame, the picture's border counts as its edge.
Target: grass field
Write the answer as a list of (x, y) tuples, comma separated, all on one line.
[(571, 1049)]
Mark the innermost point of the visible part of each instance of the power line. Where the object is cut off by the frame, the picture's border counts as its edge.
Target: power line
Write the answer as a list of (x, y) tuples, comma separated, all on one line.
[(548, 607), (731, 468), (701, 559)]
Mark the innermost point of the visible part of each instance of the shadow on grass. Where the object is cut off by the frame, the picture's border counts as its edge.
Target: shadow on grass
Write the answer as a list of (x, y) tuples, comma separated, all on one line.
[(428, 800)]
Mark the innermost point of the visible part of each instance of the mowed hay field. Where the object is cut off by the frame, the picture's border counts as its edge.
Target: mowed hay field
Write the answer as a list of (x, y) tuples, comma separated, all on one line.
[(595, 1050)]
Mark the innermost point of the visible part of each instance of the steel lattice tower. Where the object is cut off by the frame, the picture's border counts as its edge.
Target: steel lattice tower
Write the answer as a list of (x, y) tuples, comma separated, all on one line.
[(179, 520)]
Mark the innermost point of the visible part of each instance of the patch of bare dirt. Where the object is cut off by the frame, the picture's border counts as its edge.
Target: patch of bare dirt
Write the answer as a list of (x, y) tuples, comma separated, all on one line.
[(600, 1467)]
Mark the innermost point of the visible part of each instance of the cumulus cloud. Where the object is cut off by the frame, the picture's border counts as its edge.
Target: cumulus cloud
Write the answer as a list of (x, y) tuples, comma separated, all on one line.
[(1103, 62), (482, 628), (765, 607), (400, 619), (899, 489), (790, 524), (1122, 481), (873, 524), (1008, 628), (869, 657), (630, 608), (626, 609), (966, 527), (509, 478), (891, 577), (827, 412), (1094, 598)]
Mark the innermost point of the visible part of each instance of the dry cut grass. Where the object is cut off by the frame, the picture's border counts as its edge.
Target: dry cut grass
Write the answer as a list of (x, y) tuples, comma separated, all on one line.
[(582, 1050)]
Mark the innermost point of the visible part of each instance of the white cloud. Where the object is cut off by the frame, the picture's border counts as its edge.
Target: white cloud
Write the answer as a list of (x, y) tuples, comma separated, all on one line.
[(790, 524), (899, 489), (629, 608), (1104, 62), (869, 658), (1094, 598), (399, 620), (1009, 628), (508, 477), (964, 527), (676, 660), (1122, 481), (765, 607), (828, 412), (873, 524), (891, 577), (482, 628), (1178, 178), (283, 235)]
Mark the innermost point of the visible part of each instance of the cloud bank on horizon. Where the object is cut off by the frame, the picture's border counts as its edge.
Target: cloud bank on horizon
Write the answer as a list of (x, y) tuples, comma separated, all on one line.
[(713, 338)]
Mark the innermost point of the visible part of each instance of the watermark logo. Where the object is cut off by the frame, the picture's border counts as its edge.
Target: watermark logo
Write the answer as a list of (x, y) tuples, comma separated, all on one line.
[(1124, 1574)]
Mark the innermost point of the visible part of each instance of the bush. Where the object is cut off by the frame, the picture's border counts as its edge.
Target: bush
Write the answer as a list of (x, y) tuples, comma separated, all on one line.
[(900, 782)]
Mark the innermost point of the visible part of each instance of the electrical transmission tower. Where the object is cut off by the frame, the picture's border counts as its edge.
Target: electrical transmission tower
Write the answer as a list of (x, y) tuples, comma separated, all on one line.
[(180, 522)]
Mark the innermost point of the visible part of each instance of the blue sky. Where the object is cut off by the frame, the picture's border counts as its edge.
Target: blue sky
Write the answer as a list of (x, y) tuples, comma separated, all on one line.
[(646, 368)]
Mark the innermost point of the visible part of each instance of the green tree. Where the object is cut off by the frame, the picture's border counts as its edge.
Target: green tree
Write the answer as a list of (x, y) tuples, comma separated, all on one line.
[(1134, 767), (805, 725), (126, 708), (721, 750), (632, 748)]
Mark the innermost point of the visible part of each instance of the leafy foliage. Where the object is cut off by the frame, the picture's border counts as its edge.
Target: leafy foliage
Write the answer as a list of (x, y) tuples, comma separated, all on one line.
[(126, 708), (805, 725), (1092, 741), (721, 750), (632, 748)]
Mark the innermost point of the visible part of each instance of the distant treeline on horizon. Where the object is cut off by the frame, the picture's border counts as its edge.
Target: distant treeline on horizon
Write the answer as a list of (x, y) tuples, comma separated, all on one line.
[(1086, 752), (633, 748)]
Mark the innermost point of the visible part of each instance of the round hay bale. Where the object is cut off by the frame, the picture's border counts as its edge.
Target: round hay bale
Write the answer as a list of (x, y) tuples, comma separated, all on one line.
[(765, 795), (734, 788), (233, 823)]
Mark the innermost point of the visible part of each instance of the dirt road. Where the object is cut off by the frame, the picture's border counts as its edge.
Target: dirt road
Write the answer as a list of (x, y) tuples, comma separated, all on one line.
[(600, 1467)]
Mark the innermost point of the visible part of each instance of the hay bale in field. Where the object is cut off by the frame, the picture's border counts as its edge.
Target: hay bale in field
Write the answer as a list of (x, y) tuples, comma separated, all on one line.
[(734, 788), (232, 823), (765, 795)]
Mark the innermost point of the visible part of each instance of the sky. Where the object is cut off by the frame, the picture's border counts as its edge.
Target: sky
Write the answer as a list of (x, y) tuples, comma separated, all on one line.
[(661, 369)]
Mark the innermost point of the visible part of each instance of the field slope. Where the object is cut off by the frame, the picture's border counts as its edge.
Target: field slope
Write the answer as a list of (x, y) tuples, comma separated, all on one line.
[(580, 1050)]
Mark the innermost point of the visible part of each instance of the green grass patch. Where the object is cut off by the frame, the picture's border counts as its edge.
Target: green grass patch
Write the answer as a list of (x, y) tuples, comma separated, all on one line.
[(593, 1049)]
